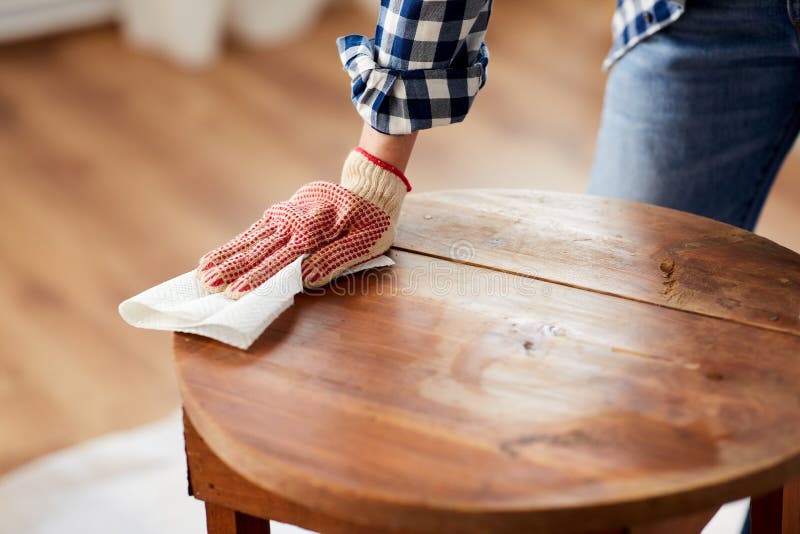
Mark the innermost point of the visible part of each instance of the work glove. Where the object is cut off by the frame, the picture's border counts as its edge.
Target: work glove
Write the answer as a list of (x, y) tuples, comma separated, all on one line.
[(339, 225)]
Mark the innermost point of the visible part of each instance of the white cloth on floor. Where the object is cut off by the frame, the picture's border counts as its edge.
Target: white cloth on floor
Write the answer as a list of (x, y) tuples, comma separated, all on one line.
[(131, 482), (181, 305)]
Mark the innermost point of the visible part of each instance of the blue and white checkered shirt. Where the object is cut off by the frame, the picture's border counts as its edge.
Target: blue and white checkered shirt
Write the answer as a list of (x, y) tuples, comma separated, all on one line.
[(635, 20), (428, 58)]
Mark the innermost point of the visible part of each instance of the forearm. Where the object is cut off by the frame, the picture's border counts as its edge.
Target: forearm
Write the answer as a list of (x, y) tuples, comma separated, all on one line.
[(393, 149)]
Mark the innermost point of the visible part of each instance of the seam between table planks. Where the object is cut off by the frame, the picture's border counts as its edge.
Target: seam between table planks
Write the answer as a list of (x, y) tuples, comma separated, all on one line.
[(593, 290)]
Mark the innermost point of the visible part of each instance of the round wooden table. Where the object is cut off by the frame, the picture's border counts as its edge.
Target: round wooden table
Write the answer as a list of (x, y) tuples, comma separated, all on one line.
[(534, 362)]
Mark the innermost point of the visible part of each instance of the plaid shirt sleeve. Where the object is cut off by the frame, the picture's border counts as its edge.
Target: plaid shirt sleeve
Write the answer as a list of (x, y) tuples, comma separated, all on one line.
[(636, 20), (423, 68)]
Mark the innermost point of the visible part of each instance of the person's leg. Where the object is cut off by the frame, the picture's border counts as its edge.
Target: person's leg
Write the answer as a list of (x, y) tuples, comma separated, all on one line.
[(700, 116)]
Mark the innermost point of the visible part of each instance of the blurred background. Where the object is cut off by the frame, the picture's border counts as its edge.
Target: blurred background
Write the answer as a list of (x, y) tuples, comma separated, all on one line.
[(137, 134)]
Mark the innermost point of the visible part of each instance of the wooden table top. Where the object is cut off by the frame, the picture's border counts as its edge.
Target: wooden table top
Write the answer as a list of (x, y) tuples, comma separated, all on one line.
[(532, 360)]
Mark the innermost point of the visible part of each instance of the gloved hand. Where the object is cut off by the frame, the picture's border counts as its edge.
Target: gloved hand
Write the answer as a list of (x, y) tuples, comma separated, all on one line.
[(340, 225)]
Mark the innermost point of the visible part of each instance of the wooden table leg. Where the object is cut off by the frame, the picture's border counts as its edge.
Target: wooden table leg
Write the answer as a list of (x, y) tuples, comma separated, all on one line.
[(222, 520), (777, 512)]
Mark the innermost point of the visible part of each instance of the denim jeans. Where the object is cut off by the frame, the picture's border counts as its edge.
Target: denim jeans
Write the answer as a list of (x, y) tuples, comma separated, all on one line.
[(700, 116)]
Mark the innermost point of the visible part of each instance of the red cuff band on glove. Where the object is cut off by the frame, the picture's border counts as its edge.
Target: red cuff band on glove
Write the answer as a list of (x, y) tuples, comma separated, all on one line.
[(382, 164)]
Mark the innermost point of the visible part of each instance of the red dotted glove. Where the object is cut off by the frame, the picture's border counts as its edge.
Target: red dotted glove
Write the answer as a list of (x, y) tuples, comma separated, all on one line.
[(339, 225)]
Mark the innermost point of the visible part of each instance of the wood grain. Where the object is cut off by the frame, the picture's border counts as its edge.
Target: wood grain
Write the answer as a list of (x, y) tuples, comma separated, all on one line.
[(440, 399), (213, 481), (637, 251)]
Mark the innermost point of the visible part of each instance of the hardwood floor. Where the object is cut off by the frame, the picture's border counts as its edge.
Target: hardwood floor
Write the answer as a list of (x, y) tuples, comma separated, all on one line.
[(118, 170)]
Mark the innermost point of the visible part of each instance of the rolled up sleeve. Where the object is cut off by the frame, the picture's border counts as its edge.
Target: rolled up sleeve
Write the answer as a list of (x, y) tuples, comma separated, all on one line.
[(424, 66)]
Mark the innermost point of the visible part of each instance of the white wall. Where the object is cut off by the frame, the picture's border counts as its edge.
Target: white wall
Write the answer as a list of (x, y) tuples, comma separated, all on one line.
[(29, 18)]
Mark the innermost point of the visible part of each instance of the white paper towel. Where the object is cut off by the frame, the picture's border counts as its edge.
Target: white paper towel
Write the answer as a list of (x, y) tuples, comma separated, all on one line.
[(181, 305)]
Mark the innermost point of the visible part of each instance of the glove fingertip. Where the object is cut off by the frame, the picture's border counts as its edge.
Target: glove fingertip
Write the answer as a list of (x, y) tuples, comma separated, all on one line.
[(211, 280), (312, 276), (315, 278), (238, 289)]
